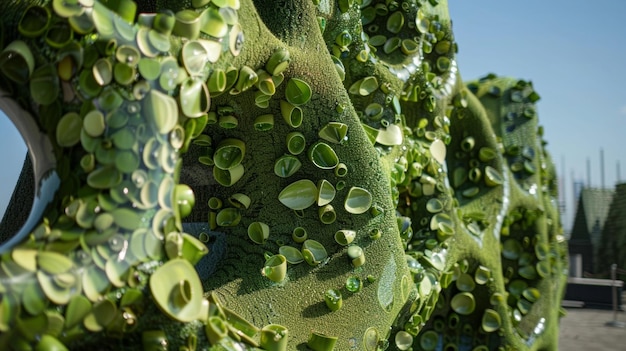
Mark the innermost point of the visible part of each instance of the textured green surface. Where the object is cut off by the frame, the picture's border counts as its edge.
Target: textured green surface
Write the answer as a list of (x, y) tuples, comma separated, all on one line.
[(435, 233)]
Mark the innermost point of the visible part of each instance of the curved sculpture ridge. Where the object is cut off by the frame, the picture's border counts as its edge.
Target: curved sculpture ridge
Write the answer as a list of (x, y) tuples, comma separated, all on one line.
[(271, 175)]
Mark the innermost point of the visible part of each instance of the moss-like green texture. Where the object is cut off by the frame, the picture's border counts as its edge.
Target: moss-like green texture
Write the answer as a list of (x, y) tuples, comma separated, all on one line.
[(456, 218)]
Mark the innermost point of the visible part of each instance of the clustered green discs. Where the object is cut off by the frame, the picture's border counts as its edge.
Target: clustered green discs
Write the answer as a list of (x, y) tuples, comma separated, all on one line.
[(125, 99), (141, 106)]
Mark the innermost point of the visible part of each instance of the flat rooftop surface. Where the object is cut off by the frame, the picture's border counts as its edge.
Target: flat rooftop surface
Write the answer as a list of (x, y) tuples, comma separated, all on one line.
[(586, 329)]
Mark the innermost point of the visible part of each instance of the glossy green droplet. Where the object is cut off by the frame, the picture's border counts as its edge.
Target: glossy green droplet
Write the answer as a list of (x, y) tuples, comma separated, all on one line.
[(354, 284)]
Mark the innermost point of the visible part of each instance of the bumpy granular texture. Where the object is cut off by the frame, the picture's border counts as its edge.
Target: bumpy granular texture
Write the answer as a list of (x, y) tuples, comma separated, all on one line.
[(321, 163)]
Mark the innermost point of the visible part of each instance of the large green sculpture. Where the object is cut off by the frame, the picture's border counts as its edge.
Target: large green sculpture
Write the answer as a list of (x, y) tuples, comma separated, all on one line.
[(321, 163)]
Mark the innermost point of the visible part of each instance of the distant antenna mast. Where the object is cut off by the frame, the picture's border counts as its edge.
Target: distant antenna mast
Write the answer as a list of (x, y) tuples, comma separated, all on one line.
[(602, 168), (588, 173)]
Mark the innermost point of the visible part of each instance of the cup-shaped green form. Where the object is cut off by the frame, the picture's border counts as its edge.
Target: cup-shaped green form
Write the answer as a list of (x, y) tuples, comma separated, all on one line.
[(345, 236), (299, 194), (320, 342), (314, 252), (123, 73), (491, 321), (327, 214), (44, 84), (531, 294), (371, 338), (459, 176), (293, 255), (377, 40), (291, 114), (511, 249), (164, 22), (228, 122), (334, 132), (343, 39), (217, 81), (409, 47), (274, 337), (297, 92), (465, 282), (177, 290), (216, 329), (68, 129), (194, 98), (364, 86), (70, 59), (358, 200), (228, 217), (258, 232), (236, 39), (34, 21), (265, 84), (528, 272), (264, 123), (542, 268), (188, 24), (215, 203), (81, 24), (326, 192), (278, 62), (463, 303), (229, 153), (150, 69), (392, 44), (275, 268), (438, 151), (341, 170), (475, 174), (323, 156), (395, 22), (59, 34), (193, 249), (286, 166), (482, 275), (195, 57), (161, 111), (333, 299), (247, 79), (240, 200), (468, 143), (389, 136), (356, 255), (493, 177), (295, 143), (213, 23), (103, 71), (262, 100), (486, 154), (442, 222), (517, 287), (403, 340), (434, 205), (299, 235)]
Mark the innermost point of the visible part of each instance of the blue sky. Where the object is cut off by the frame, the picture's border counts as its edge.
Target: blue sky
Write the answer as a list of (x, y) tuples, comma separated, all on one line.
[(573, 51)]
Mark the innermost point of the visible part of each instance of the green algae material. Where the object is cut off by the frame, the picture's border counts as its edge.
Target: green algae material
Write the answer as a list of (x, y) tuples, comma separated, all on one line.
[(403, 112)]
